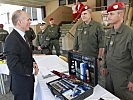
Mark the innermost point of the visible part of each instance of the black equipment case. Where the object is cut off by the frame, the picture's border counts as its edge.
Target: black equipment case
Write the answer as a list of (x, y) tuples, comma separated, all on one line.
[(83, 76)]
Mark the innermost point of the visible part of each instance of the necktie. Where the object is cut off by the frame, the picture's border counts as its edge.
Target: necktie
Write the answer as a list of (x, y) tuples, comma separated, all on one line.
[(26, 40)]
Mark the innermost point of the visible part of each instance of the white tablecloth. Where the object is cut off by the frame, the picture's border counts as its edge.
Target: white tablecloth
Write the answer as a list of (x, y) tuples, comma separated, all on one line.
[(46, 64), (100, 92), (4, 69)]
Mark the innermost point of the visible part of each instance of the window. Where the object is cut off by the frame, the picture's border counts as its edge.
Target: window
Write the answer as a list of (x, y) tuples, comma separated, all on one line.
[(29, 11), (71, 1), (82, 0), (32, 12), (62, 2)]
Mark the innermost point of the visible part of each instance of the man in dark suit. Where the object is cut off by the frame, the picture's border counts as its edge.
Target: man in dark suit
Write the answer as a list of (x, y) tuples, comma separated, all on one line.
[(19, 58)]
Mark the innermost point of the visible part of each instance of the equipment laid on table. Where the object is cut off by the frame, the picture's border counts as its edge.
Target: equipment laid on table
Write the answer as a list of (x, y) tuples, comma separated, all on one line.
[(82, 77), (2, 58)]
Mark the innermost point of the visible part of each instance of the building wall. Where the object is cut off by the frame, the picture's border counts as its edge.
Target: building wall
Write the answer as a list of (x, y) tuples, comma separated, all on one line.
[(125, 1), (109, 2), (51, 6), (112, 1), (91, 3)]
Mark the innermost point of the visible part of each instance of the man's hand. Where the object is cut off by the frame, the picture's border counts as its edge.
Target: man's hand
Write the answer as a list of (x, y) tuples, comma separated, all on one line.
[(35, 66), (130, 86), (103, 71)]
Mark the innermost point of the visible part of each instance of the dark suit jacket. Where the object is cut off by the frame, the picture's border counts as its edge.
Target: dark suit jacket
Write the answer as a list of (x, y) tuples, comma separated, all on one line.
[(20, 63)]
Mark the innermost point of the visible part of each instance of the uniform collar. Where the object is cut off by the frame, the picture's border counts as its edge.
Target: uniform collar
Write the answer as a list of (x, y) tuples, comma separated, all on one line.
[(120, 29), (90, 24), (53, 25), (113, 31), (20, 32)]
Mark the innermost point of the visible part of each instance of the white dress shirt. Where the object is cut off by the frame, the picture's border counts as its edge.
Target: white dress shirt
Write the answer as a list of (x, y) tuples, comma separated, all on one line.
[(20, 32)]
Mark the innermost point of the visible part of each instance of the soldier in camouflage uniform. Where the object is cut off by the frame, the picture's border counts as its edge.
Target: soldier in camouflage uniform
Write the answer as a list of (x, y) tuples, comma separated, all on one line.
[(3, 35), (54, 33), (118, 66), (43, 41), (89, 36), (30, 35)]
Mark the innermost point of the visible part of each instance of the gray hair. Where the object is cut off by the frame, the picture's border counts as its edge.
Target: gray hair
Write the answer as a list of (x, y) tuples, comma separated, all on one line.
[(89, 10), (121, 11), (16, 16)]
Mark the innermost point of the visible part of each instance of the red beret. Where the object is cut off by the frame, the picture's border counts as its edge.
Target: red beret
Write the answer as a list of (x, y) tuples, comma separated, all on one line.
[(51, 19), (1, 25), (85, 7), (116, 6)]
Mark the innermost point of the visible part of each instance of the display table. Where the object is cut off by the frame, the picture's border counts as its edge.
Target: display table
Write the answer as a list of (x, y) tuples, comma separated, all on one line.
[(46, 65), (3, 70), (49, 63), (100, 92), (42, 92)]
